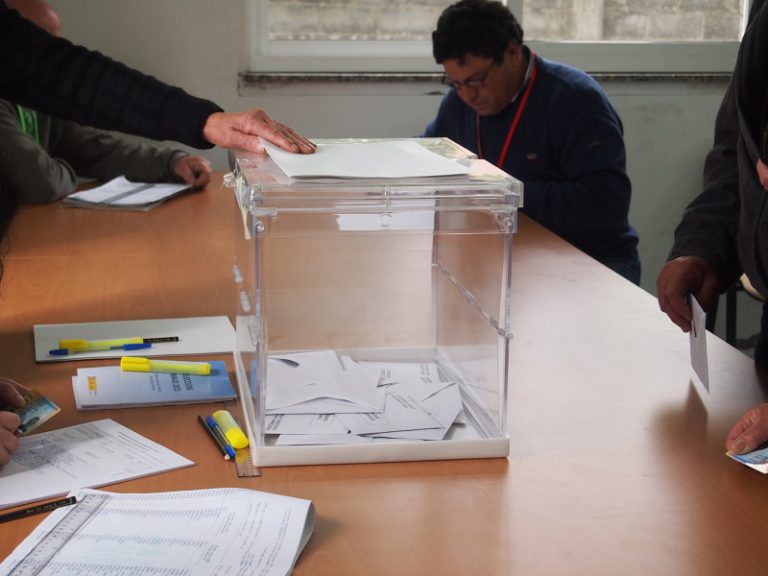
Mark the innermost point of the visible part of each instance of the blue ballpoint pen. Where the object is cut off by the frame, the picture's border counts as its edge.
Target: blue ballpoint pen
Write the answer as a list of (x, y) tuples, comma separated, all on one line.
[(220, 435), (68, 351)]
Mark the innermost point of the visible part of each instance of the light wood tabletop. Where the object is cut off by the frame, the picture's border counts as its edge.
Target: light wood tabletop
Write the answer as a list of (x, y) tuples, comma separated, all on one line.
[(616, 463)]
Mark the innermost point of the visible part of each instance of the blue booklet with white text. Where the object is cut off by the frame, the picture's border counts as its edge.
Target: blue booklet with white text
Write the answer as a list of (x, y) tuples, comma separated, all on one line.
[(111, 387)]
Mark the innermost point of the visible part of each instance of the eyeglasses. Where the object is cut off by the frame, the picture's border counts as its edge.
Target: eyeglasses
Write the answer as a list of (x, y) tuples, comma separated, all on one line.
[(475, 83)]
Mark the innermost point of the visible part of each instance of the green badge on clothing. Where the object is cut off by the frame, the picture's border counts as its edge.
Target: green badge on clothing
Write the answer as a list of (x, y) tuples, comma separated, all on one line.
[(28, 121)]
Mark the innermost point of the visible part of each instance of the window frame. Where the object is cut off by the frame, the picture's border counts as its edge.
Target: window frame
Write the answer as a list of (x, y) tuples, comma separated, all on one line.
[(330, 57)]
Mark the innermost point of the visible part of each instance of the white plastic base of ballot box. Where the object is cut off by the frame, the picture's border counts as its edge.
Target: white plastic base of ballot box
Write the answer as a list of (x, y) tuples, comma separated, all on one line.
[(465, 441), (380, 452)]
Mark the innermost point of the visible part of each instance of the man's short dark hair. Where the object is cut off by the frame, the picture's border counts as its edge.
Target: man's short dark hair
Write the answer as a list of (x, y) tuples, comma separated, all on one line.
[(479, 27)]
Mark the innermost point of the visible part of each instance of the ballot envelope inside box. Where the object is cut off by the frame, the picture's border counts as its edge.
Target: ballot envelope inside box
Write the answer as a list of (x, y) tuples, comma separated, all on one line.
[(373, 317)]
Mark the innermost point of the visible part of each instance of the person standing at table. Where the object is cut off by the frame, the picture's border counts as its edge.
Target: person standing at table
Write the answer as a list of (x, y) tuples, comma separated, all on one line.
[(547, 124), (724, 231), (54, 76), (45, 156)]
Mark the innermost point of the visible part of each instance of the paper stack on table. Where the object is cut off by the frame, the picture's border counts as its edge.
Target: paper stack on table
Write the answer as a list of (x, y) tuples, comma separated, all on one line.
[(123, 194), (195, 532), (102, 452), (111, 387), (322, 398)]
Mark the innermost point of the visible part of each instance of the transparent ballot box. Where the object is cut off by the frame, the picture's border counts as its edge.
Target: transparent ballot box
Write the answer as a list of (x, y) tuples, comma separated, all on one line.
[(373, 314)]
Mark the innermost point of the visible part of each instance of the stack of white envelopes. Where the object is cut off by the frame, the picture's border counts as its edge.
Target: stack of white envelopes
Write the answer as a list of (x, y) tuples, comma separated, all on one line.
[(322, 397)]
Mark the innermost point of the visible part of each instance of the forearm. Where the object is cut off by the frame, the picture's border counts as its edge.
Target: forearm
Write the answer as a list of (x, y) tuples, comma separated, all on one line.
[(102, 156), (710, 223), (52, 75)]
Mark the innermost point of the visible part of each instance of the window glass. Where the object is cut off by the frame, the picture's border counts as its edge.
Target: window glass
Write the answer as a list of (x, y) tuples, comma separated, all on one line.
[(633, 20), (546, 20), (353, 19), (393, 36)]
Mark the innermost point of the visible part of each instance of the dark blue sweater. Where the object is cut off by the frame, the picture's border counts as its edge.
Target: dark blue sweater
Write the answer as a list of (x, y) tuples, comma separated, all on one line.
[(568, 150)]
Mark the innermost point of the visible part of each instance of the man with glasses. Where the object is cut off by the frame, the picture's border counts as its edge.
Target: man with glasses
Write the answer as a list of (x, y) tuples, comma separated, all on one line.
[(547, 124)]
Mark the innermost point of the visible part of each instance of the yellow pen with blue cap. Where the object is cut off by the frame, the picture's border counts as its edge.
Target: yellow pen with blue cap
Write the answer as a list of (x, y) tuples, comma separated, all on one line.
[(139, 364)]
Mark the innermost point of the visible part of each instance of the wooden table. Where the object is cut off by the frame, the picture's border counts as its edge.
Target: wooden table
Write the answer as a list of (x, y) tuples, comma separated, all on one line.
[(616, 463)]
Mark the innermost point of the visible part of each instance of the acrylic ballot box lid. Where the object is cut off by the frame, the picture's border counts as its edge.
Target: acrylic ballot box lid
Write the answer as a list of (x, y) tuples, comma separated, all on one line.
[(373, 313)]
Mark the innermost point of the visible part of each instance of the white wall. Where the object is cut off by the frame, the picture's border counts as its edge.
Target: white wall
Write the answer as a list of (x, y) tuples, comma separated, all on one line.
[(199, 45)]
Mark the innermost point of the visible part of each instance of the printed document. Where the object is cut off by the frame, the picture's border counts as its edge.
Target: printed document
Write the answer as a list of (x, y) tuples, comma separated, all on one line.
[(194, 533), (103, 452), (122, 193), (100, 387)]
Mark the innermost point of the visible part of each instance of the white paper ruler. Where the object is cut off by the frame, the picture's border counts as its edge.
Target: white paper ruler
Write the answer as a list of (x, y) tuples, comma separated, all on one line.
[(39, 557)]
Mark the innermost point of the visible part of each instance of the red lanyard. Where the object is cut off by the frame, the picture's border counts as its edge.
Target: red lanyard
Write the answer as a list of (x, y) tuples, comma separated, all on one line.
[(515, 120)]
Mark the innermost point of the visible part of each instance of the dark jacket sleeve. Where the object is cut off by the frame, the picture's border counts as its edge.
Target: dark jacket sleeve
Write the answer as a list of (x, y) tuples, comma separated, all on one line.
[(710, 223), (54, 76), (26, 166), (103, 156)]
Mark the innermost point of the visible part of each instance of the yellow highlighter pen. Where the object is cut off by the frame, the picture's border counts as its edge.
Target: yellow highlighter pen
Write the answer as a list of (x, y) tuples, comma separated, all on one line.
[(138, 364), (235, 436)]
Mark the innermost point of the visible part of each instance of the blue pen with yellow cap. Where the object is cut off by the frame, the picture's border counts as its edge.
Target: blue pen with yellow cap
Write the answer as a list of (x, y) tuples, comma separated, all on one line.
[(80, 345)]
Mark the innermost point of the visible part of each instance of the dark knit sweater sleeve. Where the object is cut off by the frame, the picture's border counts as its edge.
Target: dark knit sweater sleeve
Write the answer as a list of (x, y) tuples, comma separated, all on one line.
[(73, 83)]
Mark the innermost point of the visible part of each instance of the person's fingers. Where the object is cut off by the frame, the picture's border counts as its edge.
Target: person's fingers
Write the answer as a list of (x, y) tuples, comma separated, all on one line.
[(11, 393), (8, 439), (202, 179), (762, 174), (9, 421), (750, 431), (673, 298), (306, 145), (200, 171), (243, 130)]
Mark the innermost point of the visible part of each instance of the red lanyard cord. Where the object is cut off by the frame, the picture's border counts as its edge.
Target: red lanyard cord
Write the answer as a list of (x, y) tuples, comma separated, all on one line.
[(515, 120)]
